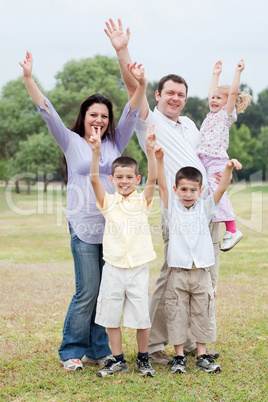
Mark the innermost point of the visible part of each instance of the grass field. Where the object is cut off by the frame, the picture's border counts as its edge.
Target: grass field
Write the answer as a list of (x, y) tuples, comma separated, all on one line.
[(37, 283)]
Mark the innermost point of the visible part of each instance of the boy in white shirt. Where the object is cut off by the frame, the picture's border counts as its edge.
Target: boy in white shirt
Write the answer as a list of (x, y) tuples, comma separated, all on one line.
[(189, 293), (127, 249)]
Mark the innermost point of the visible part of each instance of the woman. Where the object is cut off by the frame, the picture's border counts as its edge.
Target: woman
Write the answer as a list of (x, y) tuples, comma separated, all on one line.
[(81, 336)]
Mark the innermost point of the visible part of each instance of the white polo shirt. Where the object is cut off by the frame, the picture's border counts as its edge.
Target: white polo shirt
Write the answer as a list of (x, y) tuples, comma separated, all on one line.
[(189, 236), (179, 141)]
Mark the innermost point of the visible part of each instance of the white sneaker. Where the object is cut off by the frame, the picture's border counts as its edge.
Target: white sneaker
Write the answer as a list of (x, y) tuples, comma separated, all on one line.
[(101, 361), (230, 240), (72, 364)]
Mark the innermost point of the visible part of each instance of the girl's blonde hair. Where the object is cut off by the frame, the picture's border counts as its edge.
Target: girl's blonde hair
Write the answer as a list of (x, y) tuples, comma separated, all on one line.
[(243, 99)]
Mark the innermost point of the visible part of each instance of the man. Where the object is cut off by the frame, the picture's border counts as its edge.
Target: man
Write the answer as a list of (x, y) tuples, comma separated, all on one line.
[(179, 137)]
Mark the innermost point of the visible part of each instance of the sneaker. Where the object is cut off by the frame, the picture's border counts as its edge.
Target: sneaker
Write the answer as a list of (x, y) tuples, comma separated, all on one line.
[(160, 357), (204, 362), (212, 354), (230, 240), (72, 365), (178, 364), (101, 361), (144, 367), (112, 366)]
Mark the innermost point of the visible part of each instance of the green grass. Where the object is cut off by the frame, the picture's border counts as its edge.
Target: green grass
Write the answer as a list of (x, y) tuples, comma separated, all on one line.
[(37, 283)]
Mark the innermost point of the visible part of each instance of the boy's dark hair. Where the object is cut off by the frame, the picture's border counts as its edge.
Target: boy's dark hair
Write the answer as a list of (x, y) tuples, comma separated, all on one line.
[(189, 173), (125, 161), (172, 77)]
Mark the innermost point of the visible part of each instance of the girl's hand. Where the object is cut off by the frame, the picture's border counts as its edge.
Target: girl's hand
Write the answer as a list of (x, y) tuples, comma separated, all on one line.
[(137, 71), (150, 140), (240, 66), (159, 152), (234, 163), (118, 38), (27, 65), (217, 69), (95, 140)]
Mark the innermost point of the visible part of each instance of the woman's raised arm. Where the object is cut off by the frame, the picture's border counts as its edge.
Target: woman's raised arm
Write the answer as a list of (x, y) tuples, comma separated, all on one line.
[(34, 92)]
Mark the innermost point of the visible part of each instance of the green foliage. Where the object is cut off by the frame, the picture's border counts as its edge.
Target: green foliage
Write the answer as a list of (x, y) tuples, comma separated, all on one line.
[(262, 152), (80, 79), (38, 154), (263, 101), (196, 109)]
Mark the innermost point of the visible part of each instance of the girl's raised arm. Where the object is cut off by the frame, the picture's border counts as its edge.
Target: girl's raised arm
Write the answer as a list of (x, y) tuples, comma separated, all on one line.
[(217, 69), (234, 90)]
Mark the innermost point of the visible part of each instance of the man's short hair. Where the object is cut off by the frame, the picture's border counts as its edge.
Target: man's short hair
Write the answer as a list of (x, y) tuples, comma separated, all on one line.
[(172, 77), (189, 173), (125, 161)]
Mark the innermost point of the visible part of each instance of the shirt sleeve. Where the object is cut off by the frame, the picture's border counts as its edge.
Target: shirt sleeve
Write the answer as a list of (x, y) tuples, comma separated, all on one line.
[(125, 127), (210, 207), (59, 131)]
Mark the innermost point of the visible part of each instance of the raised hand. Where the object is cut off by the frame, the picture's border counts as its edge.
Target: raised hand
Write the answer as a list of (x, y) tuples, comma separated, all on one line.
[(27, 65), (150, 141), (159, 152), (240, 65), (234, 163), (95, 139), (217, 69), (119, 39), (137, 71)]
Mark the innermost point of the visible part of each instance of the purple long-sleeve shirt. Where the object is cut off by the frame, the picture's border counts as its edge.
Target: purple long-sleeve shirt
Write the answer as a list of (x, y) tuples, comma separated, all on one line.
[(81, 210)]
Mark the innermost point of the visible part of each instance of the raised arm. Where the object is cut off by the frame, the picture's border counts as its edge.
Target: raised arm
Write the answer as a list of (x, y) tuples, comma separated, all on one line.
[(95, 144), (162, 181), (235, 87), (137, 72), (225, 180), (152, 170), (217, 69), (34, 92), (119, 40)]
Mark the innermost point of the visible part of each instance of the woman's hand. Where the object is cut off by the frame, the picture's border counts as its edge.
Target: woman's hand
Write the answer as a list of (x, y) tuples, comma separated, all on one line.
[(27, 65), (118, 38)]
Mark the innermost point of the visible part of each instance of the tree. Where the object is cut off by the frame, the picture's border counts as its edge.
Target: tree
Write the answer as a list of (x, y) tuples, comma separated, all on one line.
[(39, 154), (196, 109), (261, 154), (80, 79), (242, 147), (263, 101)]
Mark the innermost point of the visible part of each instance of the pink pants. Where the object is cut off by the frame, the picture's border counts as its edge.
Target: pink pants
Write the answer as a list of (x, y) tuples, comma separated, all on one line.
[(216, 165)]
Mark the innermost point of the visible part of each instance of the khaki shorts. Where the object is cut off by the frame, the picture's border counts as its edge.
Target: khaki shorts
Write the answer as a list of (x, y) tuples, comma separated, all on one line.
[(190, 298), (124, 290)]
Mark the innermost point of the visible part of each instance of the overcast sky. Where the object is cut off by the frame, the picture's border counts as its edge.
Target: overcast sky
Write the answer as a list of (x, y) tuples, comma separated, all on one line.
[(168, 36)]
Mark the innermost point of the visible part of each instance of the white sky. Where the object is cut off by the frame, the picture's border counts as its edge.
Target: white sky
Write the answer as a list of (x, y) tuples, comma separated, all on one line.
[(184, 37)]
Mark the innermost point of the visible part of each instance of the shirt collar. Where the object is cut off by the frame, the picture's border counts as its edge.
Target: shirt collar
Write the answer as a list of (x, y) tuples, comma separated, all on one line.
[(119, 198), (172, 123)]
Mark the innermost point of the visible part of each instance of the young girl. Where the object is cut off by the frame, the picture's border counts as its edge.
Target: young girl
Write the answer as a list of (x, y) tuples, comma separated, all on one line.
[(225, 103)]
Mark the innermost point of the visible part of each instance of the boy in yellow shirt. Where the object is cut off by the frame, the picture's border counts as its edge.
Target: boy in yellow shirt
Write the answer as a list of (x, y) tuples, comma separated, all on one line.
[(127, 249)]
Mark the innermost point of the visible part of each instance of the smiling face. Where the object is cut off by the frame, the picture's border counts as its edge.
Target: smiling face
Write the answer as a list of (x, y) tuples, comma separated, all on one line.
[(125, 180), (97, 115), (217, 101), (188, 192), (172, 99)]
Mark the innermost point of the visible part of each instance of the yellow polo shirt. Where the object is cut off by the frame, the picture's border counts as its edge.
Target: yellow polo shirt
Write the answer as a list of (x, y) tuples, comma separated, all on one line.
[(127, 241)]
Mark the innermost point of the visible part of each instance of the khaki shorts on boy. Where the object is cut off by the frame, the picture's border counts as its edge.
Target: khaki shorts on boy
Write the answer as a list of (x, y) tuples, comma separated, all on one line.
[(124, 290), (190, 297)]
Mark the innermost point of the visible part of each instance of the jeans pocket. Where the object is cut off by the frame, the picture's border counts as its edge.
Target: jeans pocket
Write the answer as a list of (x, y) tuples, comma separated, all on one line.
[(171, 305)]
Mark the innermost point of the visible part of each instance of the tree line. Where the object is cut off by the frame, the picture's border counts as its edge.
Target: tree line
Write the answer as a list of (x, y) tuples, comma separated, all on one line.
[(27, 148)]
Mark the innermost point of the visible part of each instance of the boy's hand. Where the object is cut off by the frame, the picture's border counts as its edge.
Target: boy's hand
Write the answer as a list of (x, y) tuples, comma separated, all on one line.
[(234, 163), (159, 152), (95, 140), (150, 140), (217, 69), (27, 65), (118, 38), (240, 66), (137, 71)]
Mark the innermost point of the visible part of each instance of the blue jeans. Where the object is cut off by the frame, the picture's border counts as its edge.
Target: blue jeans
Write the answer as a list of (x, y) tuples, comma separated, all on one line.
[(81, 336)]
